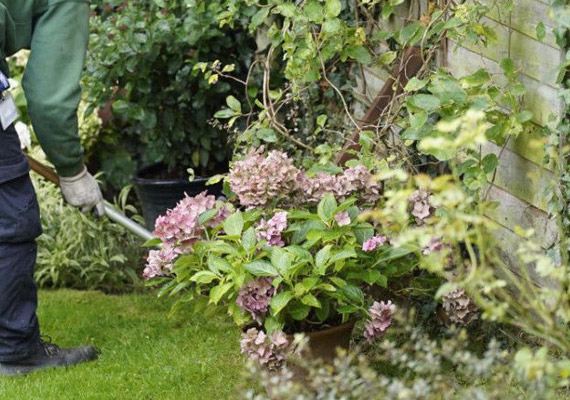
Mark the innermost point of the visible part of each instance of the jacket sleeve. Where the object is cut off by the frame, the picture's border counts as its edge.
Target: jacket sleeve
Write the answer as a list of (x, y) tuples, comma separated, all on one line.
[(51, 82)]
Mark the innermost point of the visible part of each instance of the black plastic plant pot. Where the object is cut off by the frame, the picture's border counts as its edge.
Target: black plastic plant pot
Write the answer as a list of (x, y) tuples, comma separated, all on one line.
[(158, 195)]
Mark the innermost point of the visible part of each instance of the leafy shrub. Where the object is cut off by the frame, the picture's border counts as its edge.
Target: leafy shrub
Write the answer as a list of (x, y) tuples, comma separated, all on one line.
[(415, 367), (142, 58), (80, 252)]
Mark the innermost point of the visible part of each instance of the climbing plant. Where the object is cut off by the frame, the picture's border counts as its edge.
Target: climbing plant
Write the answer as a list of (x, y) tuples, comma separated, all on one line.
[(436, 125), (329, 43)]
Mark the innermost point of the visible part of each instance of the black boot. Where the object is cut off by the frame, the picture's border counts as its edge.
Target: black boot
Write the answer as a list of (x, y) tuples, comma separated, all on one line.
[(49, 355)]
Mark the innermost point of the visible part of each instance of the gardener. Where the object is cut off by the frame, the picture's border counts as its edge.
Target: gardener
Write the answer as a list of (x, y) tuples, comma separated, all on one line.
[(56, 31)]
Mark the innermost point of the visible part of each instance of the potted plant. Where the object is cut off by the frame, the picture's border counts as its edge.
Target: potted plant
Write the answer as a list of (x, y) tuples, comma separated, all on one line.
[(280, 270), (142, 62)]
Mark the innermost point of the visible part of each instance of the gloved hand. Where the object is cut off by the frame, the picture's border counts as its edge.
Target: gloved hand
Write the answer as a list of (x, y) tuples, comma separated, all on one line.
[(82, 191)]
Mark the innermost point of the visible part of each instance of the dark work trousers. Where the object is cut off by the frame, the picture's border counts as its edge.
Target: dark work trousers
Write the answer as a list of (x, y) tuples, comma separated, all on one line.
[(19, 227)]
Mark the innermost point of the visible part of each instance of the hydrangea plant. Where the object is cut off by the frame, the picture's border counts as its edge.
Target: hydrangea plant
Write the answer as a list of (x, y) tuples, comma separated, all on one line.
[(287, 271), (296, 256)]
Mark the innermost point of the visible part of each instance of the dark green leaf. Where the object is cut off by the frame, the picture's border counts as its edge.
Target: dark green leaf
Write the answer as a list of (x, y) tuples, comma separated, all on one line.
[(288, 10), (204, 277), (249, 239), (207, 216), (217, 292), (225, 113), (327, 208), (311, 300), (425, 102), (217, 264), (342, 255), (154, 242), (261, 268), (281, 260), (314, 11), (234, 104), (233, 225), (259, 18), (415, 84), (322, 258), (267, 135), (353, 293), (408, 32), (476, 79), (360, 54), (332, 8), (299, 311), (280, 301), (490, 162)]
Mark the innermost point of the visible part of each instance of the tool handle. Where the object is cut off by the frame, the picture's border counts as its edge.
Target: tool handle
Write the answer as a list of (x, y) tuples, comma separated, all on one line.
[(110, 211), (116, 216), (43, 170)]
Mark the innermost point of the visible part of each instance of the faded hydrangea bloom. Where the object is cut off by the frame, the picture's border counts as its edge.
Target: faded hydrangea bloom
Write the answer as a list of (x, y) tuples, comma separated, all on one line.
[(435, 245), (257, 180), (354, 180), (269, 351), (421, 206), (459, 307), (159, 262), (373, 243), (271, 230), (255, 296), (360, 180), (380, 319), (342, 219), (312, 190)]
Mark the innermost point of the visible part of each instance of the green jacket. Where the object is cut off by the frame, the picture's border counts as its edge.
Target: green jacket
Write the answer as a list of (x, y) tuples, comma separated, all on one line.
[(57, 32)]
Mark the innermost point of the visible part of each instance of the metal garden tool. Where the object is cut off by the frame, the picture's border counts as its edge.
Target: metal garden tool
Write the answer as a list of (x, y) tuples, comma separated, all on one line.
[(111, 212)]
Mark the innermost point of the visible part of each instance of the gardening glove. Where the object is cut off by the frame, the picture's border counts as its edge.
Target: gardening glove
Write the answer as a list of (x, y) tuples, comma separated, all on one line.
[(82, 191)]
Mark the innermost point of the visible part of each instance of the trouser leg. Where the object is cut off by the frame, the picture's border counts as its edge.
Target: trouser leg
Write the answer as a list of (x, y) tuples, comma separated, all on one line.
[(19, 327), (19, 227)]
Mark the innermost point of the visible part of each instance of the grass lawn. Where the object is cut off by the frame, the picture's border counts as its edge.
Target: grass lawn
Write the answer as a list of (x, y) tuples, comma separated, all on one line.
[(145, 354)]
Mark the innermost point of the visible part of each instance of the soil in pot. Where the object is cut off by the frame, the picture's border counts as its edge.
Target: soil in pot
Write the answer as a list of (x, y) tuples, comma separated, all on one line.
[(158, 190)]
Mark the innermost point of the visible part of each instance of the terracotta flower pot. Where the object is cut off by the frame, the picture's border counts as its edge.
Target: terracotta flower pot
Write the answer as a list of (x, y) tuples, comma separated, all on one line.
[(323, 343)]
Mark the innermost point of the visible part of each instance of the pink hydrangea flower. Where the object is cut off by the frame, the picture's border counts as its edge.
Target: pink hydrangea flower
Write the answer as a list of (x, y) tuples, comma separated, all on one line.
[(380, 319), (179, 229), (271, 230), (255, 296), (159, 262), (373, 243), (270, 351), (342, 219), (181, 223)]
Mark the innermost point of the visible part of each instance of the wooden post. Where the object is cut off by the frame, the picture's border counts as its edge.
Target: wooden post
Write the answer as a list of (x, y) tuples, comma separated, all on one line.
[(409, 67)]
